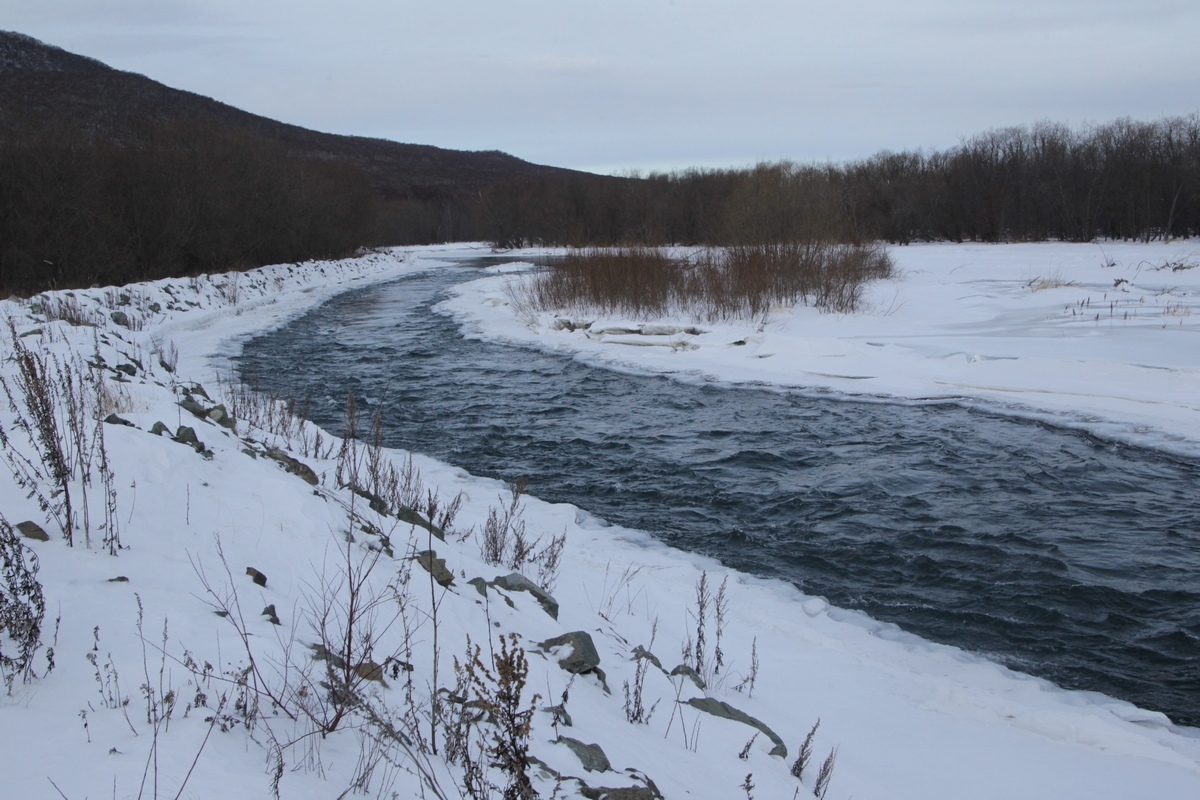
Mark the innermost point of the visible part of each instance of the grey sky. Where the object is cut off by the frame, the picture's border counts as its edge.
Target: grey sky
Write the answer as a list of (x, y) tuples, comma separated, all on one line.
[(652, 84)]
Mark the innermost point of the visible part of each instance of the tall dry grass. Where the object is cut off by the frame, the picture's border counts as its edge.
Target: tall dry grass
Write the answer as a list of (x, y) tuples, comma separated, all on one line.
[(740, 282)]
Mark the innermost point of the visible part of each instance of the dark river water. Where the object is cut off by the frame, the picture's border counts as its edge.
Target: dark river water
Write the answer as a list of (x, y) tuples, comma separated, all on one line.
[(1051, 551)]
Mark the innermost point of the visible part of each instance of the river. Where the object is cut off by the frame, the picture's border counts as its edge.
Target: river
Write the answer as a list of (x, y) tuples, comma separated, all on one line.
[(1054, 552)]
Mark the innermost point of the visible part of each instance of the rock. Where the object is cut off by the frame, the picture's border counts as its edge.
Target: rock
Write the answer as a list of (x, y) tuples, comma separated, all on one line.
[(320, 653), (158, 429), (196, 388), (581, 657), (154, 308), (623, 793), (481, 586), (370, 671), (269, 611), (516, 582), (31, 530), (186, 435), (34, 332), (405, 514), (374, 501), (723, 710), (220, 415), (128, 369), (640, 652), (295, 467), (435, 566), (258, 577), (560, 715), (684, 669), (113, 419), (119, 579), (194, 408), (590, 755), (120, 318)]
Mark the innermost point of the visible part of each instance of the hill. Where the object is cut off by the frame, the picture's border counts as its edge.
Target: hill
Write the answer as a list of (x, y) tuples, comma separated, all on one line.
[(40, 82)]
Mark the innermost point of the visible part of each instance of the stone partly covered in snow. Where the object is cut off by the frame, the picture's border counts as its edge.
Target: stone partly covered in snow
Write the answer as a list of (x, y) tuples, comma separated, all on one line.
[(31, 530), (374, 501), (405, 514), (576, 654), (620, 793), (436, 567), (192, 407), (687, 671), (220, 415), (718, 708), (187, 435), (516, 582), (292, 465), (590, 755)]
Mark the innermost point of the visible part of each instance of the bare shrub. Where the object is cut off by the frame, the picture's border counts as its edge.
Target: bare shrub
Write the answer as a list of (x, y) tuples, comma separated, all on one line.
[(497, 691), (751, 677), (825, 774), (22, 609), (505, 540), (635, 706), (22, 605), (641, 281), (66, 308), (55, 404), (805, 754), (740, 282), (168, 355)]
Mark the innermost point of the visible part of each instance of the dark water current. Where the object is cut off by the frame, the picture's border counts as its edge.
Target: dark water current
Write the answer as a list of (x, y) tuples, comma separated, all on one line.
[(1054, 552)]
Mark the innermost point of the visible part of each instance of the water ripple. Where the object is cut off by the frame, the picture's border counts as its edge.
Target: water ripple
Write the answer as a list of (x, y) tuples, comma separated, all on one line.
[(1053, 551)]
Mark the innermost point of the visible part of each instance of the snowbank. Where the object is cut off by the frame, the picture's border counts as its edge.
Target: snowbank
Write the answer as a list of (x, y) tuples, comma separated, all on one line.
[(138, 634), (1101, 337)]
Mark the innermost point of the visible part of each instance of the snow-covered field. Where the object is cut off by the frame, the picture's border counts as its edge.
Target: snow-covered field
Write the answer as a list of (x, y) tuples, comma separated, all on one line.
[(1027, 326)]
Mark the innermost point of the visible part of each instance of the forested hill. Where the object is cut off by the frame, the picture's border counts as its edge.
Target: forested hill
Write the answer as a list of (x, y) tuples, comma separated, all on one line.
[(40, 82)]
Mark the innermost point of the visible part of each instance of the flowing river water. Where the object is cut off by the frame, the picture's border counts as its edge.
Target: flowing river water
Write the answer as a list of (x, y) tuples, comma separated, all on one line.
[(1054, 552)]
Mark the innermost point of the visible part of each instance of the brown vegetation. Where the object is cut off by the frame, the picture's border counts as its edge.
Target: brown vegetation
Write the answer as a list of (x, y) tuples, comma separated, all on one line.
[(744, 281)]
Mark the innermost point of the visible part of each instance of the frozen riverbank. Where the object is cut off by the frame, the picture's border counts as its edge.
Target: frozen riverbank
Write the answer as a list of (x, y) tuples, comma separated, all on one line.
[(1101, 337), (910, 719)]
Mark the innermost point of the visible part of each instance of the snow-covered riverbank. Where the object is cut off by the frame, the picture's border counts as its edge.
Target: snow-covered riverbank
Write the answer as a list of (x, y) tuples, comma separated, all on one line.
[(910, 719), (1105, 337)]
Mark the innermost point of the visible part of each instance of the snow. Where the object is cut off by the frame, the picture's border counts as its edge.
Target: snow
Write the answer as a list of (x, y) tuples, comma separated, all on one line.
[(1102, 337), (910, 719)]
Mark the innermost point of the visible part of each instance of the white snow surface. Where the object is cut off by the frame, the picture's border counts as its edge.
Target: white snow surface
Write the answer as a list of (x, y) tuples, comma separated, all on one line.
[(909, 719), (1104, 337)]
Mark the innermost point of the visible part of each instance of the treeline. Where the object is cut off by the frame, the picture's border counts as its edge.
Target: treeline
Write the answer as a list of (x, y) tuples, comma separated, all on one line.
[(173, 199), (1122, 180), (185, 197)]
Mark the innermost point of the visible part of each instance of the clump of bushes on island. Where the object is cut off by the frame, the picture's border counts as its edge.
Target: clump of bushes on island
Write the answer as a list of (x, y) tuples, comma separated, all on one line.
[(740, 282)]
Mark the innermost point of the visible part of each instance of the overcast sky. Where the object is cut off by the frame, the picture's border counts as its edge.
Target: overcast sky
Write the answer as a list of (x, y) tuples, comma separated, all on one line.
[(607, 85)]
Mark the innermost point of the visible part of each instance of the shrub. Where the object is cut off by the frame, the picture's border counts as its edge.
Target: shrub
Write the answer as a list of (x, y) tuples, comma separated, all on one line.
[(741, 282), (22, 609)]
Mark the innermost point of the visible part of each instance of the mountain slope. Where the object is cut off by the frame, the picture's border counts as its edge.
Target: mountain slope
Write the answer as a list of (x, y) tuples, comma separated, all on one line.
[(40, 82)]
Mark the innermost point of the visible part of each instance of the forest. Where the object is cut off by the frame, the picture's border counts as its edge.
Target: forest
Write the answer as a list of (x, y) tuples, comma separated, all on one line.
[(186, 196)]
